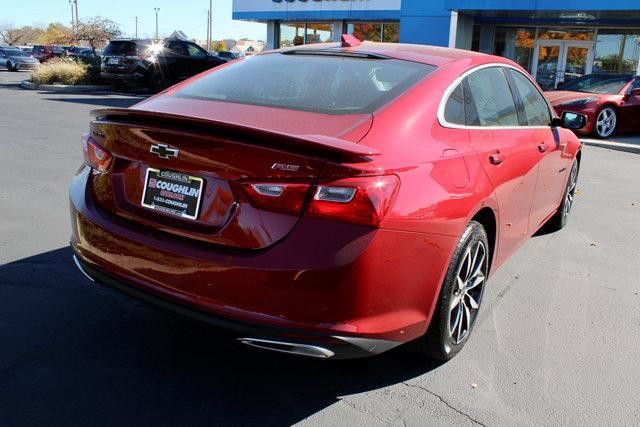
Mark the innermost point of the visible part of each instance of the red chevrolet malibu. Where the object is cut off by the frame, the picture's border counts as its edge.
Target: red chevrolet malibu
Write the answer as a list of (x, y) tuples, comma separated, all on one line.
[(331, 201)]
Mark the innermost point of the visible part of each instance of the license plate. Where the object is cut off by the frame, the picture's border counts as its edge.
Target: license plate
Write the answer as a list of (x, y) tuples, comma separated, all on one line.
[(113, 61), (172, 192)]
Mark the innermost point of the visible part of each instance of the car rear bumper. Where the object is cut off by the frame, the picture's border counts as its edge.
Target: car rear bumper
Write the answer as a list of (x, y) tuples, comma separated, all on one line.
[(27, 66), (327, 285), (125, 78), (269, 338)]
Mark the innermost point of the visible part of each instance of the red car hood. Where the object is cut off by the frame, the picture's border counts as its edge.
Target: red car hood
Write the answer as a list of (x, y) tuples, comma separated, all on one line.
[(350, 128), (558, 97)]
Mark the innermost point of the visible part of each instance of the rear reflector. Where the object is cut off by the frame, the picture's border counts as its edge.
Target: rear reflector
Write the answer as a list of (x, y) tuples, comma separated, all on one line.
[(95, 156), (363, 200)]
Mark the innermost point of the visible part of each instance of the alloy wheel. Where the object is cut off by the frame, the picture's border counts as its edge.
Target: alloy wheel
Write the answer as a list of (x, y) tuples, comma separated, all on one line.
[(467, 292), (571, 191), (606, 122)]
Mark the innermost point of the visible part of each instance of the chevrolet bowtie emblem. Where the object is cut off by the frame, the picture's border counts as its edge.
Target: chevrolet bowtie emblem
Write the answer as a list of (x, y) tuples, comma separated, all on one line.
[(164, 151)]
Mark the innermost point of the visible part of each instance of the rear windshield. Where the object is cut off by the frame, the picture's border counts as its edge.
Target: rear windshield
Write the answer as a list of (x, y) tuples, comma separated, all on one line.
[(126, 48), (316, 83)]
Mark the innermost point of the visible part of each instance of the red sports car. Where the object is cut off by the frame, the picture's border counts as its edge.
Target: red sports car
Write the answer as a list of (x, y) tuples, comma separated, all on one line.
[(611, 102), (331, 201)]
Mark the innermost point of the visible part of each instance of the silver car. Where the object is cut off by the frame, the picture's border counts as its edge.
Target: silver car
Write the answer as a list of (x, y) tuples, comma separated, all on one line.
[(15, 59)]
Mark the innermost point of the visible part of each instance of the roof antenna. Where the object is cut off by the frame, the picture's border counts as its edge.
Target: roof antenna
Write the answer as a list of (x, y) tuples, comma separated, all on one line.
[(350, 41)]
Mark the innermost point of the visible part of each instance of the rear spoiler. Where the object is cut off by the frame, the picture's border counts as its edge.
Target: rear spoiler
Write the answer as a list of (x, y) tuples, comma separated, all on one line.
[(316, 144)]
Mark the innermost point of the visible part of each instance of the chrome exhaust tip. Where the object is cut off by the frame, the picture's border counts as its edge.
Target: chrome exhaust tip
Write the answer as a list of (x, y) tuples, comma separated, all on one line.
[(77, 261), (288, 347)]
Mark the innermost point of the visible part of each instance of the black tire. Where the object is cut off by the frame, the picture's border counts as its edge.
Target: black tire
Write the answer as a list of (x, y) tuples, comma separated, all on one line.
[(10, 67), (440, 342), (609, 116), (560, 219), (157, 83)]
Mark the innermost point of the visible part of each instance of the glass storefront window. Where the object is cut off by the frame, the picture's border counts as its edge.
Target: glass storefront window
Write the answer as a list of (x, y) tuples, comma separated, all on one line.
[(291, 34), (387, 32), (366, 31), (319, 33), (391, 32), (617, 51), (516, 44), (575, 34)]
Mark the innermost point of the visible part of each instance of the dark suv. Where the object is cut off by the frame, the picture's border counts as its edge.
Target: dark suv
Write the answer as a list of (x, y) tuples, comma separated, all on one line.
[(128, 63)]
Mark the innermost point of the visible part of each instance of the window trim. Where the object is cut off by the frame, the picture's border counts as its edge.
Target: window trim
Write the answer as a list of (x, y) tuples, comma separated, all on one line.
[(447, 93)]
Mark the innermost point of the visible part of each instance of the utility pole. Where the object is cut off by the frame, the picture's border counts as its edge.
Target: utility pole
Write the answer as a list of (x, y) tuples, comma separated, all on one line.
[(136, 27), (73, 19), (210, 25), (156, 10), (77, 16)]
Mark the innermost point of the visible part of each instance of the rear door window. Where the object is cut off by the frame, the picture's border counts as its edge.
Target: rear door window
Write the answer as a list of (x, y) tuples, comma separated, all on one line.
[(454, 109), (491, 98), (323, 83), (536, 110)]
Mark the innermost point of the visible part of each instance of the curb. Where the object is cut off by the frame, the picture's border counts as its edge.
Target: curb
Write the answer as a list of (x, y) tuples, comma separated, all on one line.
[(64, 88), (618, 146)]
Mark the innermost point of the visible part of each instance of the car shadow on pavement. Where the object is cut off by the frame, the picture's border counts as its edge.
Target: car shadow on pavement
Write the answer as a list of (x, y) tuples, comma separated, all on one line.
[(72, 352)]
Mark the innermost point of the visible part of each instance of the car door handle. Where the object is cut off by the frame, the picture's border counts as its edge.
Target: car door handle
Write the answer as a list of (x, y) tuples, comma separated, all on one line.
[(496, 158), (543, 148)]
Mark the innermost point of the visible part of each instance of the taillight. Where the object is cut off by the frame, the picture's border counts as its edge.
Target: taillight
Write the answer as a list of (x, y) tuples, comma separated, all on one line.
[(286, 198), (364, 200), (95, 156)]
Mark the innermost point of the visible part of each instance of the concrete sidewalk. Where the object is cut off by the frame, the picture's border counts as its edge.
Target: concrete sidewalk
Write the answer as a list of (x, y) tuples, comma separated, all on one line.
[(628, 143)]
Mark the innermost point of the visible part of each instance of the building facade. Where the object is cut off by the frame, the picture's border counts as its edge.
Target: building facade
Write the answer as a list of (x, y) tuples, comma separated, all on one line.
[(556, 41)]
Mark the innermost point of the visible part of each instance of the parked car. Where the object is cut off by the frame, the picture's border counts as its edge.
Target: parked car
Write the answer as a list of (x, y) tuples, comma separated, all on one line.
[(26, 49), (611, 102), (74, 51), (45, 52), (229, 56), (15, 60), (326, 201), (129, 63)]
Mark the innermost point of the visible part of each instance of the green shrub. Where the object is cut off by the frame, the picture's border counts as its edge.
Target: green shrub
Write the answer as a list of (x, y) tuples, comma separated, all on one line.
[(60, 71)]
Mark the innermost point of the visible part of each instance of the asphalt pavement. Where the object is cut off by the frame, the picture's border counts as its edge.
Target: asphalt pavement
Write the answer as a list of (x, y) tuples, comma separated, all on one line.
[(557, 341)]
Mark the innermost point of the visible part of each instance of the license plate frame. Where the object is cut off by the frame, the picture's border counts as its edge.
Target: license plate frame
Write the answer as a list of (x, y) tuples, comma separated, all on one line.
[(172, 193)]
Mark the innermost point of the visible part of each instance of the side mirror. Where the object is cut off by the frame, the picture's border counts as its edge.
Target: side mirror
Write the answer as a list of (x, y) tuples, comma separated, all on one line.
[(571, 120), (635, 92)]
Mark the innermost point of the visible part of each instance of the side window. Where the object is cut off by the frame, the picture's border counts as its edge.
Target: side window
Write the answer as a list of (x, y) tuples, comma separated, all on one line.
[(195, 51), (454, 110), (536, 109), (177, 48), (492, 98), (635, 84)]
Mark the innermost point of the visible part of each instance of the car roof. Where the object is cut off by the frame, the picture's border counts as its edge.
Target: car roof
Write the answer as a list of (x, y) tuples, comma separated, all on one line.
[(433, 55)]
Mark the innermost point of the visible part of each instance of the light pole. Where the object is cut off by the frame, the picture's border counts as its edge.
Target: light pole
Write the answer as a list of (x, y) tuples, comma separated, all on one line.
[(210, 35), (156, 10), (73, 20), (136, 26), (77, 16), (208, 27)]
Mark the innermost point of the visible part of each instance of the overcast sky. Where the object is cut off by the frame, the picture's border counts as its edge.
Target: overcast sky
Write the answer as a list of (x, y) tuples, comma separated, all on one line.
[(187, 15)]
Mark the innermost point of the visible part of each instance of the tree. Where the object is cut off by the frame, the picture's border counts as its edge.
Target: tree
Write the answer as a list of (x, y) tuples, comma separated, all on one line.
[(57, 33), (218, 46), (97, 32)]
